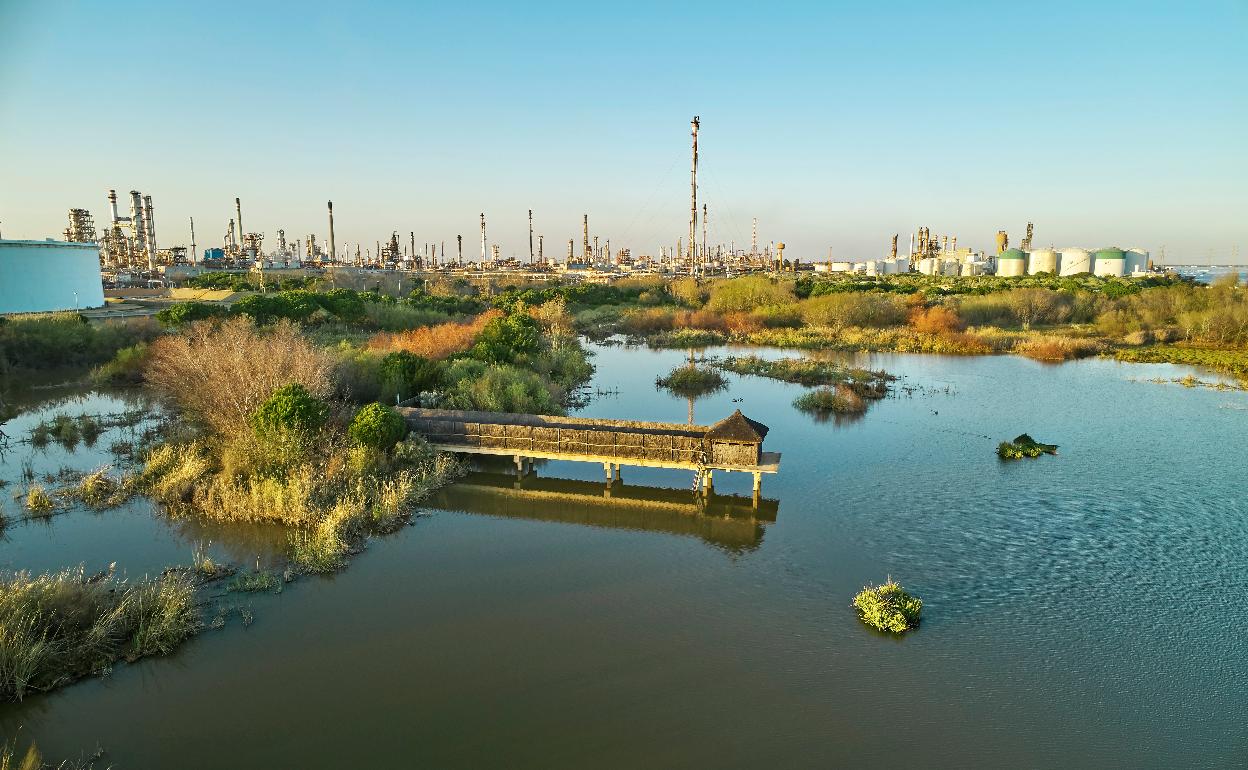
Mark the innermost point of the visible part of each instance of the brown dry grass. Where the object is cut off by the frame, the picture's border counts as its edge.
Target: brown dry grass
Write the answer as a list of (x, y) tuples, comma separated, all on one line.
[(434, 342), (221, 372), (1050, 348), (936, 320)]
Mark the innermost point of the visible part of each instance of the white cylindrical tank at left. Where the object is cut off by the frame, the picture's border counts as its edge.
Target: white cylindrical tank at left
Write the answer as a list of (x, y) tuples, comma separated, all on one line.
[(1042, 261), (40, 276)]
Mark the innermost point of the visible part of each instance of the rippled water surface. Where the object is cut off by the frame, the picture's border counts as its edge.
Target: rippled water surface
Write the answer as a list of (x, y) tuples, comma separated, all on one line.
[(1080, 610)]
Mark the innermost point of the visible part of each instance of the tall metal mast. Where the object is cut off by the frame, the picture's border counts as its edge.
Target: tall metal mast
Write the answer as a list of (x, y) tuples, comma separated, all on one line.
[(530, 236), (693, 197)]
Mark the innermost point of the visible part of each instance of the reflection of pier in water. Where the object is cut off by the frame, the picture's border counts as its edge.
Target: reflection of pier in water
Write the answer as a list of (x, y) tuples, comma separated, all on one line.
[(731, 522)]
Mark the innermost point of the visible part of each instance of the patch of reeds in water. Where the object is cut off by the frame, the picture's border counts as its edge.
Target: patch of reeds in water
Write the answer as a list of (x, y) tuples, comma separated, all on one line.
[(58, 627)]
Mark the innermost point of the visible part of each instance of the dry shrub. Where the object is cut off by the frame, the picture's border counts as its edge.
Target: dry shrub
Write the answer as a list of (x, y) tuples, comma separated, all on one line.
[(647, 322), (435, 342), (221, 372), (1050, 348), (965, 343), (935, 320), (742, 322), (699, 319), (854, 309)]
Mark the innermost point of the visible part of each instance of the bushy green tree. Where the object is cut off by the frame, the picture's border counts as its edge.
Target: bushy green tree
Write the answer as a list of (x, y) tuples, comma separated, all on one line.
[(186, 312), (409, 374), (377, 427), (290, 409), (505, 339)]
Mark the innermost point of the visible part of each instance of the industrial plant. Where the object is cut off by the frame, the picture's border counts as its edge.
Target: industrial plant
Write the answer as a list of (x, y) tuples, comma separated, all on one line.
[(126, 254)]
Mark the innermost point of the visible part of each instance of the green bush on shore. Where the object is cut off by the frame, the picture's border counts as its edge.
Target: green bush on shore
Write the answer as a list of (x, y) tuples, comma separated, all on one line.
[(887, 607), (377, 427), (1024, 446), (692, 380)]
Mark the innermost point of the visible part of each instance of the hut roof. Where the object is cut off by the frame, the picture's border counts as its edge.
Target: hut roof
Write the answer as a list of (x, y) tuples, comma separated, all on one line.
[(738, 427)]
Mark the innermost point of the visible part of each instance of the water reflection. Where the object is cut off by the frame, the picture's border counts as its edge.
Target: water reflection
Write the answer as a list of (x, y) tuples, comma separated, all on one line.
[(729, 522)]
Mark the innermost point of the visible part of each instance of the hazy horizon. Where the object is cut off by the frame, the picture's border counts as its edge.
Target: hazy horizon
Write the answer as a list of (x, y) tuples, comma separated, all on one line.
[(834, 126)]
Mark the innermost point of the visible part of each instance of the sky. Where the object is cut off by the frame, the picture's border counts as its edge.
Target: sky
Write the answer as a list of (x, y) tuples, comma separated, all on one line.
[(834, 124)]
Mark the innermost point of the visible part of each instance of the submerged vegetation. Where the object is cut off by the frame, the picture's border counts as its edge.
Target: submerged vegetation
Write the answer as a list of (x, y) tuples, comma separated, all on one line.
[(1024, 446), (887, 607), (55, 628)]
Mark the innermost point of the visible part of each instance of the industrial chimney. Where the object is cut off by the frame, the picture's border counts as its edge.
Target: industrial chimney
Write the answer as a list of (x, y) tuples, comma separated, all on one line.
[(332, 249), (238, 211)]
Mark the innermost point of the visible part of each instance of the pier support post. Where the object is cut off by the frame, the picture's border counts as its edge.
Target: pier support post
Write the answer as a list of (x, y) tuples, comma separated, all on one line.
[(708, 486), (758, 490), (616, 474), (606, 468)]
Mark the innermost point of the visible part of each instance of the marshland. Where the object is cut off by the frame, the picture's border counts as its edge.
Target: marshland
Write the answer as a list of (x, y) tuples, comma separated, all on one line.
[(266, 548)]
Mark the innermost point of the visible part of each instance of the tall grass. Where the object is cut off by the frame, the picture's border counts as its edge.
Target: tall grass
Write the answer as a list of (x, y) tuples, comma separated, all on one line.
[(49, 340), (58, 627)]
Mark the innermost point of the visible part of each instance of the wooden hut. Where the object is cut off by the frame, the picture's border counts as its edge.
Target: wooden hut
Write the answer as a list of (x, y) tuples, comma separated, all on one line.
[(736, 440)]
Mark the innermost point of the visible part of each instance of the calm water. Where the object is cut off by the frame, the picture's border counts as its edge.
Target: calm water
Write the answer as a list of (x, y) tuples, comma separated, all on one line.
[(1080, 610)]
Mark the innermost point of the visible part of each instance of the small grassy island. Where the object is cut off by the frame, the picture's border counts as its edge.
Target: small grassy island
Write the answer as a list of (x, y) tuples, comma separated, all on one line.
[(691, 380), (887, 607), (1024, 446)]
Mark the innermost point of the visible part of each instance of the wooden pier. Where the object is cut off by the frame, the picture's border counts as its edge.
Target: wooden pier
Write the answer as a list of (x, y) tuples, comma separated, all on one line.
[(732, 445)]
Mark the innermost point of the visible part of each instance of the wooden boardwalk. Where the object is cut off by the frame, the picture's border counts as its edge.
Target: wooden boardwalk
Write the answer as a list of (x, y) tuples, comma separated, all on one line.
[(733, 444)]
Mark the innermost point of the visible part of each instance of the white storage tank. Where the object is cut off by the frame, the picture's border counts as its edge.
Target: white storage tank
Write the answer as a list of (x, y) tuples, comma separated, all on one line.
[(1110, 262), (39, 276), (1012, 263), (1075, 261), (1136, 261), (1042, 261)]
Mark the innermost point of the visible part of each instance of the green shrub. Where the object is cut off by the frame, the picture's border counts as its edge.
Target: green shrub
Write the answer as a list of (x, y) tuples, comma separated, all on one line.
[(50, 340), (186, 312), (506, 339), (126, 368), (888, 607), (747, 293), (409, 374), (1024, 446), (291, 408), (498, 388), (377, 427), (841, 399)]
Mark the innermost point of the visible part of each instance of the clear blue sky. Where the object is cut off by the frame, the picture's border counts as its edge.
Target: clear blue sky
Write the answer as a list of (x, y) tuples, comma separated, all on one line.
[(836, 124)]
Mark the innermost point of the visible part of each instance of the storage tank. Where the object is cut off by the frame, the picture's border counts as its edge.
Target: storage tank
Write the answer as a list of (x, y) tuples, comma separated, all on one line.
[(39, 276), (1012, 262), (1042, 261), (1110, 262), (1075, 261), (1136, 261)]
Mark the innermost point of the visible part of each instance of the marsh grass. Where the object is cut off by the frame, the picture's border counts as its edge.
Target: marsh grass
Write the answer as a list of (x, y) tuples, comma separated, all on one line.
[(839, 399), (58, 627), (1055, 348), (803, 371), (1024, 446), (255, 581), (887, 607), (38, 503)]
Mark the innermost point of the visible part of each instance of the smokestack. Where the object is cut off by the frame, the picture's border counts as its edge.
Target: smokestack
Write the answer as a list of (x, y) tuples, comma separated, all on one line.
[(332, 249), (238, 211), (754, 239), (894, 251), (705, 255), (459, 241), (570, 257), (693, 195), (483, 238), (150, 222), (112, 204), (530, 236), (585, 238), (194, 254), (540, 257)]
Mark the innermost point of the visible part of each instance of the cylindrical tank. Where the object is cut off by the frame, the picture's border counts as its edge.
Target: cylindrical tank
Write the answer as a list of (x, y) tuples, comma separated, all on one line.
[(1075, 261), (1003, 240), (1012, 262), (1042, 261), (1136, 261), (1110, 262)]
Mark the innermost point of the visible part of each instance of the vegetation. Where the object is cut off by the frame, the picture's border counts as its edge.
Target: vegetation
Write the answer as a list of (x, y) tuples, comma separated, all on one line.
[(1024, 446), (887, 607), (56, 628), (803, 371), (255, 581), (842, 398), (377, 427), (692, 380), (51, 340)]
